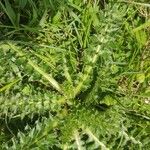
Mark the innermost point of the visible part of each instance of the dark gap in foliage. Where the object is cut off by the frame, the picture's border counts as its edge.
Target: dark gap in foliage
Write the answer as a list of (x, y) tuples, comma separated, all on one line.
[(16, 124), (103, 3), (101, 107), (29, 13), (11, 127)]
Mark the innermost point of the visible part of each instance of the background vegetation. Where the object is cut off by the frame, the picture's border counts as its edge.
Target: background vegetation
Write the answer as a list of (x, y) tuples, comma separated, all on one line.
[(74, 74)]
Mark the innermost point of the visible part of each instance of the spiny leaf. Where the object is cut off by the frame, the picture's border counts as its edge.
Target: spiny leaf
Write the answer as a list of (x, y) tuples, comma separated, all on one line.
[(78, 141), (9, 85), (103, 146), (45, 59), (85, 76), (66, 72), (52, 81), (143, 26)]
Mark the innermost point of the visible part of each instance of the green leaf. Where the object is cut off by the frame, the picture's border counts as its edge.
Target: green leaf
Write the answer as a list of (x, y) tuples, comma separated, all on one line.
[(34, 12), (22, 3), (143, 26), (88, 71), (9, 85), (140, 77), (101, 144), (56, 18), (10, 12), (52, 81), (141, 37), (26, 90), (109, 101)]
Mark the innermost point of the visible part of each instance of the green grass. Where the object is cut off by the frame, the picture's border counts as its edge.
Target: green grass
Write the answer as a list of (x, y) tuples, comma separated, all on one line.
[(74, 75)]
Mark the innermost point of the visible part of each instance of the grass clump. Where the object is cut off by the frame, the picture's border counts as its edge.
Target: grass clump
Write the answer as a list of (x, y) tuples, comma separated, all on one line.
[(74, 75)]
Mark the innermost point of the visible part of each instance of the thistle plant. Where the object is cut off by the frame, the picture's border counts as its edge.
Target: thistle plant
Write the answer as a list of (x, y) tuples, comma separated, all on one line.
[(79, 79)]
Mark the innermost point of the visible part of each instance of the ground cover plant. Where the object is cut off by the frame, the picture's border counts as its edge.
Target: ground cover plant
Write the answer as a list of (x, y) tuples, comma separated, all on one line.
[(74, 74)]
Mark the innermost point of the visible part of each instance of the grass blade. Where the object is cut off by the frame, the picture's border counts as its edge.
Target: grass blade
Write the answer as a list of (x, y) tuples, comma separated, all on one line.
[(137, 3), (9, 11)]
